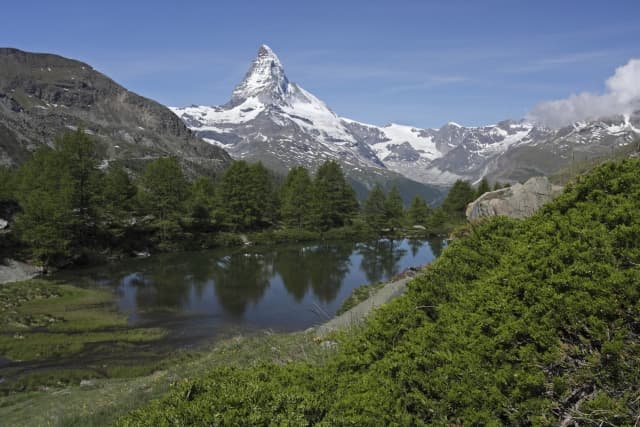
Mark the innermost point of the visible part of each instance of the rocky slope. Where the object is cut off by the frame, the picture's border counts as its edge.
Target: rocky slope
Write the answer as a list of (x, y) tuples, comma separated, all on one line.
[(274, 120), (509, 151), (43, 95)]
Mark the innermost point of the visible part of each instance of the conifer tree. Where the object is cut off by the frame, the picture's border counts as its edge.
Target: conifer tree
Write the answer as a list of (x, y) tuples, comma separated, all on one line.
[(76, 153), (418, 212), (163, 191), (118, 194), (295, 198), (483, 187), (45, 194), (263, 196), (246, 196), (334, 201), (118, 200), (201, 202), (394, 209), (374, 208), (460, 195)]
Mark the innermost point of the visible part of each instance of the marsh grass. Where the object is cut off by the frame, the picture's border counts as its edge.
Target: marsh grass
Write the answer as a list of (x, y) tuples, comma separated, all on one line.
[(108, 399)]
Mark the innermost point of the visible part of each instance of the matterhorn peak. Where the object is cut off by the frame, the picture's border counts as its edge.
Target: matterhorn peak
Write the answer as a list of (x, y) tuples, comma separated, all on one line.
[(265, 80), (266, 52)]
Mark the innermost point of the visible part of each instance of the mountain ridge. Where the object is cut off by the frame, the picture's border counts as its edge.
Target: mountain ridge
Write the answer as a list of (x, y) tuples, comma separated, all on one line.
[(43, 95), (277, 121)]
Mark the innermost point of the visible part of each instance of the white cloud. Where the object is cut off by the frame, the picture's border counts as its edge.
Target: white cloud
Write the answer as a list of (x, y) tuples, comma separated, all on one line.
[(622, 96)]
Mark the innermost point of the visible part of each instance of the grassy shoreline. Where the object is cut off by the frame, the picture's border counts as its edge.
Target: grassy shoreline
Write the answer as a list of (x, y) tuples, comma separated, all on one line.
[(45, 399), (43, 321)]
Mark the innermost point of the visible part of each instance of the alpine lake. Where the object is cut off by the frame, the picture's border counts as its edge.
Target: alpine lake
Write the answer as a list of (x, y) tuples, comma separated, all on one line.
[(173, 303)]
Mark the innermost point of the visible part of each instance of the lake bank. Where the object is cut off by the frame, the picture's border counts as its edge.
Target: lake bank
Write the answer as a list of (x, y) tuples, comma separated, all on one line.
[(155, 307), (101, 401)]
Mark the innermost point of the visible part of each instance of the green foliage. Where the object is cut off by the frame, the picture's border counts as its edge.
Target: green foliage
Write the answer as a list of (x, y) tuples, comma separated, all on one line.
[(498, 186), (334, 202), (118, 201), (58, 190), (459, 196), (520, 323), (71, 210), (75, 153), (374, 208), (7, 184), (394, 209), (163, 192), (201, 203), (483, 187), (418, 212), (44, 191), (382, 211), (246, 197), (295, 198)]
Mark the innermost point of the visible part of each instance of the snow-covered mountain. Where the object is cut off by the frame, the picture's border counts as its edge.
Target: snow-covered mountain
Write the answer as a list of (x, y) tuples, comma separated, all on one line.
[(276, 121), (279, 123)]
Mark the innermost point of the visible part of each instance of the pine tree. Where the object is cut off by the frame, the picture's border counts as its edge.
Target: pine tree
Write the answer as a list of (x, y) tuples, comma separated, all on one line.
[(394, 209), (374, 208), (76, 153), (246, 197), (45, 194), (334, 201), (460, 195), (263, 196), (295, 198), (7, 184), (163, 191), (483, 187), (118, 201), (418, 212), (201, 202)]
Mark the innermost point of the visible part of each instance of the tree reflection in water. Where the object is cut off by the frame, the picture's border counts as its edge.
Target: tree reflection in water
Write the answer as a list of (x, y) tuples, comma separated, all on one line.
[(242, 278), (380, 259), (236, 282)]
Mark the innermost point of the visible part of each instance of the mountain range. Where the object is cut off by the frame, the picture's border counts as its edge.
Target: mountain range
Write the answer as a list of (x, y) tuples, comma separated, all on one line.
[(271, 119), (275, 121), (44, 95)]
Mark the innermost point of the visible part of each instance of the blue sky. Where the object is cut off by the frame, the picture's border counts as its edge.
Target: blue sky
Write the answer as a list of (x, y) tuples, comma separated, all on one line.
[(420, 63)]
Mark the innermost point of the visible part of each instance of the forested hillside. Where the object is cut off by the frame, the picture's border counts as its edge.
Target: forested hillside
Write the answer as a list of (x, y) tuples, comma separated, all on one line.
[(530, 322), (69, 207)]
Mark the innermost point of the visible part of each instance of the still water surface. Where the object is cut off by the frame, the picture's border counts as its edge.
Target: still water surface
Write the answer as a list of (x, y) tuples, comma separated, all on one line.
[(283, 287)]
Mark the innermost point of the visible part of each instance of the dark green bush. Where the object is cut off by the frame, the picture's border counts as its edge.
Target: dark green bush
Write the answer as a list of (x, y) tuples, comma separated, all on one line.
[(506, 327)]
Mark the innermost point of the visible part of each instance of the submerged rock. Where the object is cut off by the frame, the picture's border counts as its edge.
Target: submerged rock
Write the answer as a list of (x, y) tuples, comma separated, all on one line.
[(517, 201)]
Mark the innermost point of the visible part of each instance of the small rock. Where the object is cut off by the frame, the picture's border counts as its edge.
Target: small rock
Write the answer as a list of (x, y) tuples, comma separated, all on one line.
[(328, 345), (87, 383), (3, 224)]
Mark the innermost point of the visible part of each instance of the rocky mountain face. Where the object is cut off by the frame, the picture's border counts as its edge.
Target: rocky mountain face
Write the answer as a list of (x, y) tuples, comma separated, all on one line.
[(43, 95), (276, 121), (509, 151)]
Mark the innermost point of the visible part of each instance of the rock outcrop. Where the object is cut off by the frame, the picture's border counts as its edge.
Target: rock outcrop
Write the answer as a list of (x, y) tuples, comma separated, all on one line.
[(44, 95), (16, 271), (517, 201)]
